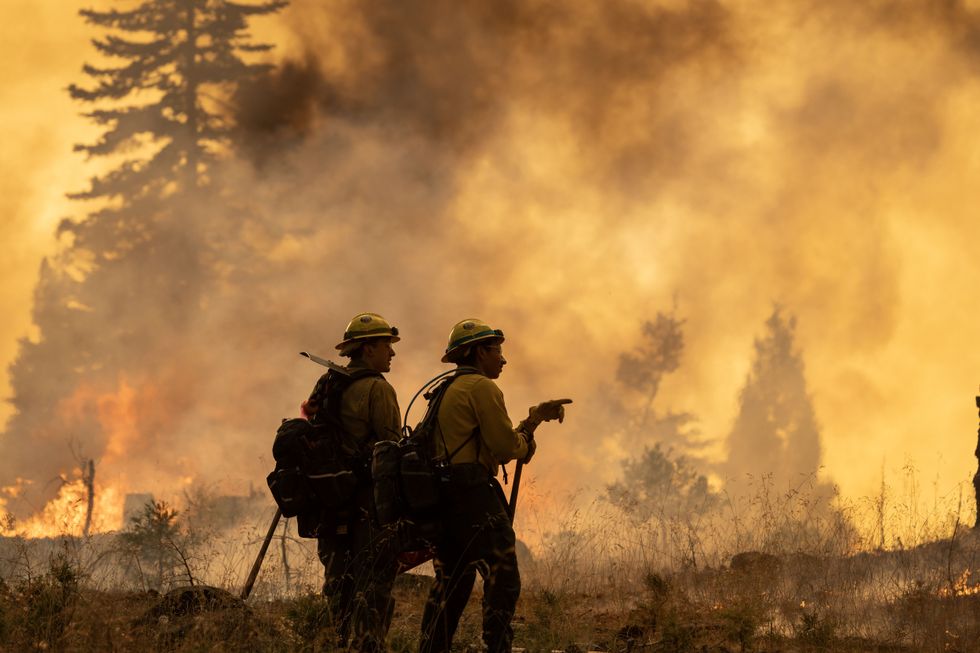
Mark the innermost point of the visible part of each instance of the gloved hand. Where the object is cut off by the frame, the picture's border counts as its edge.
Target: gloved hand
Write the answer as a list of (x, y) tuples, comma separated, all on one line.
[(532, 446), (548, 410)]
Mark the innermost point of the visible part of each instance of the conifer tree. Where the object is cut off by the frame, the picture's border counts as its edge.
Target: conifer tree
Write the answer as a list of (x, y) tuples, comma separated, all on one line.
[(663, 479), (142, 259), (776, 432), (133, 272), (176, 59), (178, 49)]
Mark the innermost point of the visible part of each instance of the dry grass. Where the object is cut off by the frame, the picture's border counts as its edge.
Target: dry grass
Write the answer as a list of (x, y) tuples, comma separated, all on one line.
[(778, 572)]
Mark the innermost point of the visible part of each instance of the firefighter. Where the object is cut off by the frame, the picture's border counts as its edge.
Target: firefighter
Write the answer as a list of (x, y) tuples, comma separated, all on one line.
[(474, 437), (359, 570)]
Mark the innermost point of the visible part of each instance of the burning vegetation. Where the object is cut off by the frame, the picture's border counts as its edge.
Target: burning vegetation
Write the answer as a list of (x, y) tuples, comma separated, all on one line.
[(571, 171)]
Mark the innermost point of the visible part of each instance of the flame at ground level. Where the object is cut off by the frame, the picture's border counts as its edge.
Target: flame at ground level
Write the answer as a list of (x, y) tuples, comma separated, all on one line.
[(120, 422), (67, 512), (961, 586)]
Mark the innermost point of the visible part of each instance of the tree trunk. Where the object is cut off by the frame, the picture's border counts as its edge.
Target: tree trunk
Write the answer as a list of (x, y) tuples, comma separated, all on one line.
[(190, 99), (88, 477), (976, 477)]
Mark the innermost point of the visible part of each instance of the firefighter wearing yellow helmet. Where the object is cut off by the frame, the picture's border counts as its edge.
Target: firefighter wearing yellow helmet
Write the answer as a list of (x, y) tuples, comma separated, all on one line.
[(359, 568), (365, 328), (475, 437)]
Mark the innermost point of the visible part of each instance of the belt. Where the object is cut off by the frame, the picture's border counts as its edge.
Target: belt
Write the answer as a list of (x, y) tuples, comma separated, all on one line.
[(469, 474)]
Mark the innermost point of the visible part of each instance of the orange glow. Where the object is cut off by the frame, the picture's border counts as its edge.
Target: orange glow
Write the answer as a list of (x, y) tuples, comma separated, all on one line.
[(119, 415), (65, 514), (961, 587), (829, 165), (119, 419)]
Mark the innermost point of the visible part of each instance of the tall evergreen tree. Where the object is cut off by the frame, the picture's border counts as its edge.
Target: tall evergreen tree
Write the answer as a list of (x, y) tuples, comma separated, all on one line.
[(776, 431), (187, 45), (179, 57), (133, 272)]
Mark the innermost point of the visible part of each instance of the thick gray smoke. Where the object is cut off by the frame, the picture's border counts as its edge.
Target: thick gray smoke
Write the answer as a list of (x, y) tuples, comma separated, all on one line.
[(564, 171)]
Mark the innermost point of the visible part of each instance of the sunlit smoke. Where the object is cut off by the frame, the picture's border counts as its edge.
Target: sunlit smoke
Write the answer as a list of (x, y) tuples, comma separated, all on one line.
[(564, 172)]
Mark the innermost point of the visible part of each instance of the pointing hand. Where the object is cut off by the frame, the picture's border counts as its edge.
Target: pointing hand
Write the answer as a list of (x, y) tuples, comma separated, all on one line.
[(549, 410)]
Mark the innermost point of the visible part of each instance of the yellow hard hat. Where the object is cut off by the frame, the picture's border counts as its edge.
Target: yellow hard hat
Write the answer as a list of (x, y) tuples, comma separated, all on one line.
[(466, 333), (363, 326)]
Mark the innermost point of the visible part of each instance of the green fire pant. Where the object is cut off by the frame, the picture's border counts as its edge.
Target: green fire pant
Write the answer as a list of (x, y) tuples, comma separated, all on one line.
[(359, 571), (477, 537)]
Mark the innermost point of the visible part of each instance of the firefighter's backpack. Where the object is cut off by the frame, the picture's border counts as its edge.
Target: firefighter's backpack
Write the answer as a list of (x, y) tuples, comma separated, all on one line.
[(318, 466), (408, 481)]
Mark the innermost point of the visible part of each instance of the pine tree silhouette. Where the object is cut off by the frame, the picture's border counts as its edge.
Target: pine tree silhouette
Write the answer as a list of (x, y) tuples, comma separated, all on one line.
[(189, 47), (662, 479), (137, 266), (775, 432)]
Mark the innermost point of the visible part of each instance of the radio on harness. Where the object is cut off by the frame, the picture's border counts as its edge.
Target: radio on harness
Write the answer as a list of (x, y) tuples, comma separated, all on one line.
[(408, 481)]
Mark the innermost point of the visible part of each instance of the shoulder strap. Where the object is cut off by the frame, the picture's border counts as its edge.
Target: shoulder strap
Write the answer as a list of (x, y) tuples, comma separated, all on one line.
[(474, 434), (432, 410), (337, 383), (330, 388), (434, 396), (434, 407)]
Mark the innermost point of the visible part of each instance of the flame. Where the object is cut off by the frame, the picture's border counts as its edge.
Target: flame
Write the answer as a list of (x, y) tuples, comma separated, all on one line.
[(961, 587), (119, 415), (15, 490), (65, 514), (119, 418)]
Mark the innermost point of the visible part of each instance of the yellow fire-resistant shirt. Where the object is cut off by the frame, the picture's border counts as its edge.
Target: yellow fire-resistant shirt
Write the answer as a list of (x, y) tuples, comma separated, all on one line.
[(369, 410), (474, 401)]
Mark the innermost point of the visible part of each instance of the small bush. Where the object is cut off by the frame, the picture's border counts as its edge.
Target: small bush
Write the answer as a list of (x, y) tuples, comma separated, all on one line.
[(44, 607), (310, 620), (741, 624), (156, 548), (816, 628), (547, 610), (658, 588), (677, 633)]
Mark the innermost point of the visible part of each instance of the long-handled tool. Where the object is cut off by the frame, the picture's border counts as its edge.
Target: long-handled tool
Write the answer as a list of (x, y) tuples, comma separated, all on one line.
[(252, 575), (515, 488)]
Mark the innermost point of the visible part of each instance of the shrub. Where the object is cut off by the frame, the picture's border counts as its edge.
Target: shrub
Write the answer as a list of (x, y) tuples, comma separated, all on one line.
[(310, 620), (816, 628), (46, 604), (157, 550)]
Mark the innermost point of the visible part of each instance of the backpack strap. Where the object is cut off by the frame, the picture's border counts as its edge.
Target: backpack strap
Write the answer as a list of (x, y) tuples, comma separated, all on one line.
[(474, 434), (463, 371), (355, 375), (332, 385)]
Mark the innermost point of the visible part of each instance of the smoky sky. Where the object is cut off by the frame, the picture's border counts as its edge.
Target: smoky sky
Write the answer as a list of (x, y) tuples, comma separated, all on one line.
[(451, 72), (563, 171)]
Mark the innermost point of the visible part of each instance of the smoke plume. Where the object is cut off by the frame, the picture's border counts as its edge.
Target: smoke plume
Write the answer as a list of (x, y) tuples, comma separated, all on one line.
[(564, 171)]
